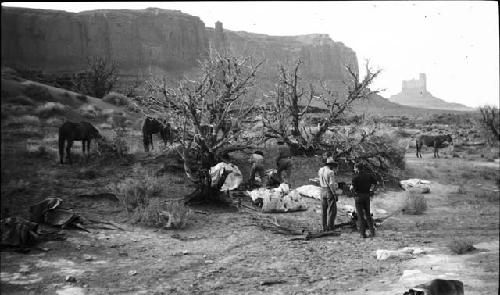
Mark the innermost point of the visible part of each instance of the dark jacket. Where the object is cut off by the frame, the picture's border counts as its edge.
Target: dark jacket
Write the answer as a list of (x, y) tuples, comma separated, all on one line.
[(362, 182)]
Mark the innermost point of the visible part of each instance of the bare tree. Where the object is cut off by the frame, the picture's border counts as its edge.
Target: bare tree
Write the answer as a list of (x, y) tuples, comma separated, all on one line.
[(361, 144), (99, 78), (490, 119), (208, 106), (290, 108)]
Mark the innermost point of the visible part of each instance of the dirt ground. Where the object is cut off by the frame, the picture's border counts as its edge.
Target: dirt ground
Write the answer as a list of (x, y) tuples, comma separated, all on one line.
[(222, 250)]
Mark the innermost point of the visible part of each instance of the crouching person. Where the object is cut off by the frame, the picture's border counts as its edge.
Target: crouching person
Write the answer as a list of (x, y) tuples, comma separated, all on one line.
[(257, 161), (329, 197), (363, 184)]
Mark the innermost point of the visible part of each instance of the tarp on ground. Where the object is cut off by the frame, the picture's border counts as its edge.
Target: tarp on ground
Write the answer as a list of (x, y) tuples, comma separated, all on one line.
[(278, 200), (310, 191), (233, 180), (416, 185)]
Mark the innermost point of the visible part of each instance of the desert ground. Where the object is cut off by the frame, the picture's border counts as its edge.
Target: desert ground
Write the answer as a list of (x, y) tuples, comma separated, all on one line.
[(223, 249)]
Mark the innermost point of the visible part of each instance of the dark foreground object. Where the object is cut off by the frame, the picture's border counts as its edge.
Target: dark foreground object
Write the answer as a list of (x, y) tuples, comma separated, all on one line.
[(438, 287)]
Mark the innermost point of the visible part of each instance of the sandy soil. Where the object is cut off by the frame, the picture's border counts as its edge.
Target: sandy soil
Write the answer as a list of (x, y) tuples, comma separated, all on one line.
[(224, 251)]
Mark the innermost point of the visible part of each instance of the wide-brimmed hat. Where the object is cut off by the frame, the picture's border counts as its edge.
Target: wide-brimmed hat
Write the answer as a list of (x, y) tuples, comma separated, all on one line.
[(331, 162), (259, 153)]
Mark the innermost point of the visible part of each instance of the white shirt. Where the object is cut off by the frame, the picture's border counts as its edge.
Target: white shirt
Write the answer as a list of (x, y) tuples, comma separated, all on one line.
[(327, 178)]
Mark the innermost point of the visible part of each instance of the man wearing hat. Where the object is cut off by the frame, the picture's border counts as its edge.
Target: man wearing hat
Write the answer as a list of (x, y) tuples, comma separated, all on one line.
[(284, 162), (329, 198), (363, 184), (257, 161)]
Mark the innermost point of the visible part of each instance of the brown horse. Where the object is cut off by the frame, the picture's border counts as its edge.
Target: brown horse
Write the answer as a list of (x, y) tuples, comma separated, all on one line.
[(152, 126), (70, 132), (435, 141)]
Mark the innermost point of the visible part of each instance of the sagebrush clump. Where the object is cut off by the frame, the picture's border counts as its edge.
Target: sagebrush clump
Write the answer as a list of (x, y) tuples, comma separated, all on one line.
[(461, 246), (414, 204), (116, 98), (50, 109), (146, 199), (38, 93)]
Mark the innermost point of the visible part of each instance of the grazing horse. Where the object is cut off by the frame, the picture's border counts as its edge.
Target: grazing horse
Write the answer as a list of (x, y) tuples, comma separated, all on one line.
[(70, 132), (436, 141), (152, 126)]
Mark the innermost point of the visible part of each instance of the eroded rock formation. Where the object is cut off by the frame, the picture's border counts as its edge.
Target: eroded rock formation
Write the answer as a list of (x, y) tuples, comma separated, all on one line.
[(150, 40)]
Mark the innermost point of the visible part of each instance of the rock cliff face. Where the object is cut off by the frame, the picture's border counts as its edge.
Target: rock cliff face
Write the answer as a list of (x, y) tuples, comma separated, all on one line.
[(414, 93), (137, 39), (323, 58), (150, 40)]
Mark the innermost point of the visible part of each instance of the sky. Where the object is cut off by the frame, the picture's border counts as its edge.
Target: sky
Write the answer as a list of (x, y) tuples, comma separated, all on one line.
[(456, 43)]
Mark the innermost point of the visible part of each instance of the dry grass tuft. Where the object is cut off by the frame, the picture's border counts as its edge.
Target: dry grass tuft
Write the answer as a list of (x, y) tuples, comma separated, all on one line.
[(50, 109), (89, 111), (145, 197), (461, 246), (116, 98), (38, 93), (26, 120), (415, 204), (20, 100)]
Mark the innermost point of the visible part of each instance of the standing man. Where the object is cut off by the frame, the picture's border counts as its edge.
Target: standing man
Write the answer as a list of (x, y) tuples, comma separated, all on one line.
[(284, 162), (363, 185), (257, 161), (329, 197)]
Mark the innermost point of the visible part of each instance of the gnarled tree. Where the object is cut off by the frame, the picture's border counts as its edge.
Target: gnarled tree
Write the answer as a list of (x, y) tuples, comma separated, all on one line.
[(99, 78), (207, 107), (364, 143)]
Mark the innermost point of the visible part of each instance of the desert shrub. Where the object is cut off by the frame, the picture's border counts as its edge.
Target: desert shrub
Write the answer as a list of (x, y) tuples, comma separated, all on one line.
[(26, 120), (87, 173), (414, 204), (89, 111), (488, 196), (11, 88), (132, 107), (50, 109), (41, 152), (116, 98), (145, 198), (53, 122), (403, 133), (120, 143), (461, 246), (16, 110), (38, 93), (21, 100), (82, 98), (98, 79)]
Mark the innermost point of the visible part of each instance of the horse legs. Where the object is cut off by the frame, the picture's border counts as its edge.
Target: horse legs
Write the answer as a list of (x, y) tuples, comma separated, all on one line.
[(151, 141), (436, 152), (68, 151), (61, 151)]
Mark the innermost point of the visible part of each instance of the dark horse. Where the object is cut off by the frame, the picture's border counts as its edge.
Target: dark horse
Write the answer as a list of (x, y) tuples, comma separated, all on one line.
[(435, 141), (70, 132), (152, 126)]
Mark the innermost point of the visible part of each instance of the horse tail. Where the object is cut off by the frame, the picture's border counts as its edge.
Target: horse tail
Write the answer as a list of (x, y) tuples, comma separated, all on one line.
[(61, 145)]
